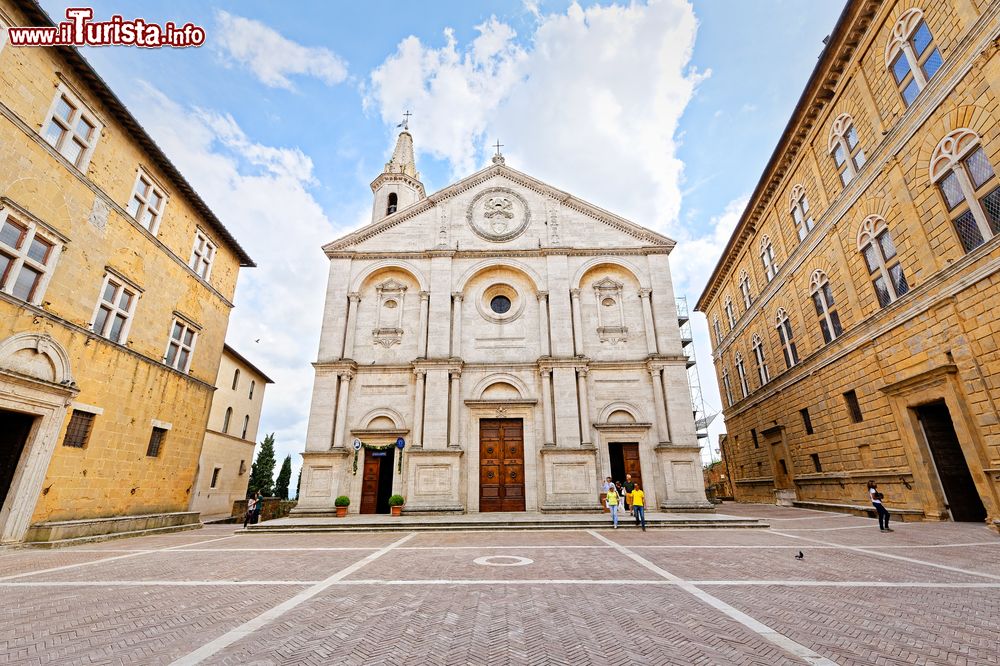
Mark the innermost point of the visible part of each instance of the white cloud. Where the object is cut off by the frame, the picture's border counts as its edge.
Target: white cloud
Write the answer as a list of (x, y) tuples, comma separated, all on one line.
[(270, 56), (591, 104), (261, 194)]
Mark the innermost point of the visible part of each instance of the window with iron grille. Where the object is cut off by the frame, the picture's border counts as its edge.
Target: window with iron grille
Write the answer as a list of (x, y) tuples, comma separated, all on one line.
[(156, 442), (78, 430), (784, 327), (806, 421), (853, 406), (71, 128), (911, 55), (822, 296), (28, 254), (884, 269), (968, 186)]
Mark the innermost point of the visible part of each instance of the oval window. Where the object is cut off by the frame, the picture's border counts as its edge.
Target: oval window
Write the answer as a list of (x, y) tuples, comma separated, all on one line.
[(500, 304), (608, 302), (389, 304)]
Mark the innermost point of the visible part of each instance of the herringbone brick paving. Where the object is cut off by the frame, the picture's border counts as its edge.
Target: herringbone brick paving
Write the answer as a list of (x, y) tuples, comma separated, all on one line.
[(580, 601)]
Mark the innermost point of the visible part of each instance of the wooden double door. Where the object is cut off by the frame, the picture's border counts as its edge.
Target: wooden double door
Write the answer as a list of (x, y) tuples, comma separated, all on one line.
[(501, 465), (624, 457)]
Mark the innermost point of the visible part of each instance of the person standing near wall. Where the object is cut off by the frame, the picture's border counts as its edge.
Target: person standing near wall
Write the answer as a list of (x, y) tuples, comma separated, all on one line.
[(883, 513)]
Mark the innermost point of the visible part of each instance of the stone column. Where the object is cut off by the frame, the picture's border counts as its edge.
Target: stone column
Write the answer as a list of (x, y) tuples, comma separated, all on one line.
[(454, 434), (581, 387), (456, 324), (322, 414), (577, 321), (344, 393), (550, 439), (647, 320), (543, 322), (422, 332), (659, 406), (354, 298), (416, 436)]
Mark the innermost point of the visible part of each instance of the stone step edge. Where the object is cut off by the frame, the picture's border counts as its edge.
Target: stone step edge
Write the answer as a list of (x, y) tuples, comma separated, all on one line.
[(94, 538), (302, 529)]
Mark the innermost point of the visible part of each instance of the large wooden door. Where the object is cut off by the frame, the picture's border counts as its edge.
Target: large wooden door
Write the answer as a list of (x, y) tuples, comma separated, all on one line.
[(964, 502), (501, 465), (630, 456)]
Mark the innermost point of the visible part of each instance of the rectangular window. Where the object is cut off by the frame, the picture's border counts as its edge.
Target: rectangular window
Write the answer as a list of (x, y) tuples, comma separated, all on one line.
[(753, 436), (243, 467), (78, 431), (147, 202), (215, 477), (851, 398), (156, 442), (28, 254), (806, 421), (202, 255), (816, 464), (180, 348), (114, 310), (71, 128)]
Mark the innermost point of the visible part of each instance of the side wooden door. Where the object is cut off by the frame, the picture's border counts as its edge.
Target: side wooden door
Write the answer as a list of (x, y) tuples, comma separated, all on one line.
[(369, 484)]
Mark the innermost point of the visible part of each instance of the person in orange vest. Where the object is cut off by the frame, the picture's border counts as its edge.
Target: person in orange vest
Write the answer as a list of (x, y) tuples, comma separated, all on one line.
[(639, 506)]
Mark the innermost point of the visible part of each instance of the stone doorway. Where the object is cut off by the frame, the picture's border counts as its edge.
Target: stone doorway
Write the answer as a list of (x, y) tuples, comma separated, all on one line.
[(960, 492), (376, 482), (15, 428), (624, 457), (501, 465)]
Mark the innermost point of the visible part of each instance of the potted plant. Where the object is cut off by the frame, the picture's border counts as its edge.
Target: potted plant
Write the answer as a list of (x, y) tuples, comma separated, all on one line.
[(342, 503), (396, 503)]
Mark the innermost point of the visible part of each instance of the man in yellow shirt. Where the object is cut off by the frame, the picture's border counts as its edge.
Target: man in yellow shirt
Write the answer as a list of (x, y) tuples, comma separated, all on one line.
[(639, 506)]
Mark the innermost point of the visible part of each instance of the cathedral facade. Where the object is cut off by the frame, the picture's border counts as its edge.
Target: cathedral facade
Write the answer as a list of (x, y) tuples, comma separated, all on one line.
[(499, 345)]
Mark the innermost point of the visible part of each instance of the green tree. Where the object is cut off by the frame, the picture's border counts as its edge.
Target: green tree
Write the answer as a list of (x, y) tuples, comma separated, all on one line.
[(284, 478), (298, 484), (262, 472)]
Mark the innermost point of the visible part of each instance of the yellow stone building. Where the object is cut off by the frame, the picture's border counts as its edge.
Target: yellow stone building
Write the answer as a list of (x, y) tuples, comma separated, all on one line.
[(116, 285), (854, 310)]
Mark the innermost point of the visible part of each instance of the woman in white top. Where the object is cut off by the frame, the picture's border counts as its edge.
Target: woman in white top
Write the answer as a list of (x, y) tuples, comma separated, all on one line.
[(883, 514)]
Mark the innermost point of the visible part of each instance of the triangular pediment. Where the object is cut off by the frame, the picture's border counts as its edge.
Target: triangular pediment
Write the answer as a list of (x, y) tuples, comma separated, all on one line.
[(499, 174)]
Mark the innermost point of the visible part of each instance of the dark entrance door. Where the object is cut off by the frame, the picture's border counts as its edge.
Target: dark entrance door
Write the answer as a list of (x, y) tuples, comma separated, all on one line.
[(501, 465), (953, 470), (14, 430), (625, 460), (376, 482)]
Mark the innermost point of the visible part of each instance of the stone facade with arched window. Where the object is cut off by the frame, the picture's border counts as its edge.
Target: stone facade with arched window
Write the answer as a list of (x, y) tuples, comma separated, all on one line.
[(905, 252), (522, 343)]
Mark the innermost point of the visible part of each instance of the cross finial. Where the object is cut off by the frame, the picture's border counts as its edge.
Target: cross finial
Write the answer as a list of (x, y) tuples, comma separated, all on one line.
[(406, 119), (498, 146)]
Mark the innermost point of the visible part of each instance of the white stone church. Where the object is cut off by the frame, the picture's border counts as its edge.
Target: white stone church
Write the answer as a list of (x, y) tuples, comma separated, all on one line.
[(522, 343)]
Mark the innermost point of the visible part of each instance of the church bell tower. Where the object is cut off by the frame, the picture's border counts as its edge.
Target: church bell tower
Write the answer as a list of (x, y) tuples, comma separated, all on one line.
[(398, 186)]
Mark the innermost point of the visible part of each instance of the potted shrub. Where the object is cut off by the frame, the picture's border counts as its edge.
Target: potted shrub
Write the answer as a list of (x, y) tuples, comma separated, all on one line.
[(396, 503), (342, 503)]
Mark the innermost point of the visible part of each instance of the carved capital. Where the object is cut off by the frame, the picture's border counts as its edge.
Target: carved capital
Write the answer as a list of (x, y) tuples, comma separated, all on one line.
[(582, 372), (645, 292), (542, 295), (425, 295), (546, 372), (346, 376), (455, 374), (575, 293), (457, 296), (419, 372), (354, 297)]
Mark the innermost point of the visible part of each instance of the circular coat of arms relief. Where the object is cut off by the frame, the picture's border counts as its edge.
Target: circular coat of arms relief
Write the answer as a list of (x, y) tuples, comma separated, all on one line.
[(498, 214)]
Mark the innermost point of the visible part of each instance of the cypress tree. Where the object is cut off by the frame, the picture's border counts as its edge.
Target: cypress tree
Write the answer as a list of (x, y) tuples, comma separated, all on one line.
[(262, 472), (284, 478)]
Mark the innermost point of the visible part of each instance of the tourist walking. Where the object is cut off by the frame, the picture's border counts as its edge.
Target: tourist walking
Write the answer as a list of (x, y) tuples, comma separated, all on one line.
[(257, 508), (612, 501), (639, 506), (251, 506), (883, 513), (628, 486)]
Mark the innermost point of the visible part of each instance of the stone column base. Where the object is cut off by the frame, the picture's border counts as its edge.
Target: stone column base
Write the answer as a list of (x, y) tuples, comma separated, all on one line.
[(433, 481), (571, 482), (783, 497), (323, 475)]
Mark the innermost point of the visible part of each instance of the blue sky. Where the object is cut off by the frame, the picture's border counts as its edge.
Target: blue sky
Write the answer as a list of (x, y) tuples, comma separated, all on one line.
[(663, 111)]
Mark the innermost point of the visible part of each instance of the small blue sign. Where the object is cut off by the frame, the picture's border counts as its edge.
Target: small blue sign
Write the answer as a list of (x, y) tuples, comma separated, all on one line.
[(378, 454), (400, 443)]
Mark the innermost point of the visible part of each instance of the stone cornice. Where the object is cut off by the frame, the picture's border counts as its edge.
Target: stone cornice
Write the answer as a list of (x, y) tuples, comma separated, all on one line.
[(494, 253)]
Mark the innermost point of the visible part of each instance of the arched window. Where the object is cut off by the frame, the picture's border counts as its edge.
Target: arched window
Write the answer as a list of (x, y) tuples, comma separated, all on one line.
[(785, 336), (727, 387), (236, 378), (912, 55), (393, 203), (800, 211), (225, 421), (767, 258), (822, 295), (758, 351), (246, 424), (964, 175), (879, 252), (730, 317), (742, 372), (253, 385), (745, 290), (718, 330), (845, 148)]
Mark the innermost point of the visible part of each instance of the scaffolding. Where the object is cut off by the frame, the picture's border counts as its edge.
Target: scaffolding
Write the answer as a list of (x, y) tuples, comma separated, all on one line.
[(702, 418)]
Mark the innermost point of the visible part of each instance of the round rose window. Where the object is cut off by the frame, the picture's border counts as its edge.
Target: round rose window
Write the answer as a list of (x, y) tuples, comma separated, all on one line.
[(500, 304)]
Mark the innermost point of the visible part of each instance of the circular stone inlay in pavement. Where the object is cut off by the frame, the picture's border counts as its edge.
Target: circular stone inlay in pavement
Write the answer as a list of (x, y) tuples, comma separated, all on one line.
[(511, 561)]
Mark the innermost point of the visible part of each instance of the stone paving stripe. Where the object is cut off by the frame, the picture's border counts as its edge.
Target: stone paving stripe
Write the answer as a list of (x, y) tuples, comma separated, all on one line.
[(103, 559), (157, 583), (247, 628), (766, 632), (869, 551), (823, 529)]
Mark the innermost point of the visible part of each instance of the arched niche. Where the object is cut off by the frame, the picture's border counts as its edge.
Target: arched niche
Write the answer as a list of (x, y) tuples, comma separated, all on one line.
[(38, 356)]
